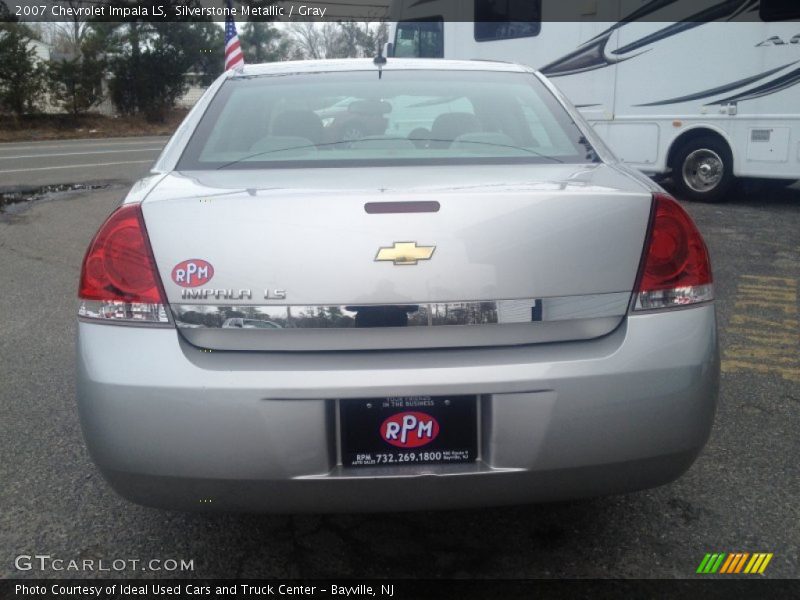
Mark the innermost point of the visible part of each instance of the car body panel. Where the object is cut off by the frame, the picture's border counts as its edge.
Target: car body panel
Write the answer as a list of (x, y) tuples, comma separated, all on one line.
[(167, 422)]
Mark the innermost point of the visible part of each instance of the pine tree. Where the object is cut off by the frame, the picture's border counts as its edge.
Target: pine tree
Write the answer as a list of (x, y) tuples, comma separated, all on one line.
[(21, 74)]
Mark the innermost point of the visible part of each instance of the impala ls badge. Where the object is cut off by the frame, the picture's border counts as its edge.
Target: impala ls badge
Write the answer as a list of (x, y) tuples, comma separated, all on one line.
[(405, 253)]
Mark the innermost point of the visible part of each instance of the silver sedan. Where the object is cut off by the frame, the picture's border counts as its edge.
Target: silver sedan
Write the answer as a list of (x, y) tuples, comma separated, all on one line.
[(475, 305)]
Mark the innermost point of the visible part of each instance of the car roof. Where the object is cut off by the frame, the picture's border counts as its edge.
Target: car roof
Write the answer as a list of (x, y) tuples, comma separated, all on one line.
[(367, 64)]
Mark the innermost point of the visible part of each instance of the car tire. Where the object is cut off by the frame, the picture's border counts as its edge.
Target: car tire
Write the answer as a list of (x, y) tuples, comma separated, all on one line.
[(702, 170)]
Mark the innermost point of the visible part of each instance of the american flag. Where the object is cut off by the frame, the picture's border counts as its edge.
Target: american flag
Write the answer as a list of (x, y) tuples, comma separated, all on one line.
[(233, 49)]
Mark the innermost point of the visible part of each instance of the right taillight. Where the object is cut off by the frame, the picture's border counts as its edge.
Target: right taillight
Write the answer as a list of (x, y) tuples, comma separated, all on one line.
[(675, 269), (119, 281)]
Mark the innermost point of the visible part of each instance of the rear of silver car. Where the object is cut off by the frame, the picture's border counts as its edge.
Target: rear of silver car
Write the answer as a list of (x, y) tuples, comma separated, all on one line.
[(395, 337)]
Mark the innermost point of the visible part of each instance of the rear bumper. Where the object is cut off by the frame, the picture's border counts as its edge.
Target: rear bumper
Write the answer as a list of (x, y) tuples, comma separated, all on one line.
[(175, 427)]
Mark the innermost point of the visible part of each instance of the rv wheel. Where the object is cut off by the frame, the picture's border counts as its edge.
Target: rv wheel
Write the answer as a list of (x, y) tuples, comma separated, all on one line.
[(702, 170)]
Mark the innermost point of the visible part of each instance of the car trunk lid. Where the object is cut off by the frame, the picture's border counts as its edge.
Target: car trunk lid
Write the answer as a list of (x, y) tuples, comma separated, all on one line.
[(505, 255)]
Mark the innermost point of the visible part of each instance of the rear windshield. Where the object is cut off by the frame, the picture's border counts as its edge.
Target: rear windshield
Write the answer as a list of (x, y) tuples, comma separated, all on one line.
[(356, 118)]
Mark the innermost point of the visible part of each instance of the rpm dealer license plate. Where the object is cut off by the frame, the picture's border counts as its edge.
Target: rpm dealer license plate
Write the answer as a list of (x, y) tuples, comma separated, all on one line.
[(408, 430)]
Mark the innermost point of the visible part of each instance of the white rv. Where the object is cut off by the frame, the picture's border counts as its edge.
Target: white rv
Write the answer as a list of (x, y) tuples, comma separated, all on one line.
[(708, 90)]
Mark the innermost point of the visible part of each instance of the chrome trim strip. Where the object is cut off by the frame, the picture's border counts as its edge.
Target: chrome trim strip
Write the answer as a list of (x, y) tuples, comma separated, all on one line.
[(399, 338), (499, 312)]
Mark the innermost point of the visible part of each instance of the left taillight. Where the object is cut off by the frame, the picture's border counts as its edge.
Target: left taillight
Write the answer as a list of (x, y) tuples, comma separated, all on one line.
[(119, 280)]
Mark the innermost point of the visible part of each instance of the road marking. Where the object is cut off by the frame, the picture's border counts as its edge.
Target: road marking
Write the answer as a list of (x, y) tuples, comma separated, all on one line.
[(78, 144), (764, 329), (109, 164), (129, 150)]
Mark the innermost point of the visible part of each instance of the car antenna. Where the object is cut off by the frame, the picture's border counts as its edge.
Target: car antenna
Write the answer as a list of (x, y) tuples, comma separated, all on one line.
[(379, 61)]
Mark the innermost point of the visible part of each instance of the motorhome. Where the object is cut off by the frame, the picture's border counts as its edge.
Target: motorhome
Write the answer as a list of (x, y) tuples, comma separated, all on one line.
[(704, 90)]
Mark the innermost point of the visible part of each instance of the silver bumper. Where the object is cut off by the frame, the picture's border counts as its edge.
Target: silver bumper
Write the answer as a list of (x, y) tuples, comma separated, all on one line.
[(172, 426)]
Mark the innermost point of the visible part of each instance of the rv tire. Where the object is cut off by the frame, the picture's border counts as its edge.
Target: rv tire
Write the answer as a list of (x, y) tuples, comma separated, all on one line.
[(702, 169)]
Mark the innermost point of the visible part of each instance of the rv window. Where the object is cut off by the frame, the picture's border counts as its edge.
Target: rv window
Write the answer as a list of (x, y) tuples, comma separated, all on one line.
[(507, 19), (779, 10), (420, 39)]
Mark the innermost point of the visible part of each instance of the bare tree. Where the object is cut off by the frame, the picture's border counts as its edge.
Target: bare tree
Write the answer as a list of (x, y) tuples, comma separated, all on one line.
[(308, 38), (350, 39), (333, 44), (67, 37)]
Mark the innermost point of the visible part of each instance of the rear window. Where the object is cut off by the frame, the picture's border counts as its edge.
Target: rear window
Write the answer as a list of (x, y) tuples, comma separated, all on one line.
[(403, 117)]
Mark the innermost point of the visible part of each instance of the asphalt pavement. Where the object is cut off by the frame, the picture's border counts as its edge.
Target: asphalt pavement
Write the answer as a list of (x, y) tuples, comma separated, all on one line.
[(740, 496), (30, 164)]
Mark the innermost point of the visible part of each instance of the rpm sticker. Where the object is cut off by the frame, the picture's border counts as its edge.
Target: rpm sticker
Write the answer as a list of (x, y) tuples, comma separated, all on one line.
[(192, 272)]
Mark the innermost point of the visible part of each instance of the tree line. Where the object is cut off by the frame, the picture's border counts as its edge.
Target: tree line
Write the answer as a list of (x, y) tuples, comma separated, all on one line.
[(142, 66)]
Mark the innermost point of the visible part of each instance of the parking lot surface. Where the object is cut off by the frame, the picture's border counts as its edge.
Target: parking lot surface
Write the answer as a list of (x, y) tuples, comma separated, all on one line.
[(740, 496)]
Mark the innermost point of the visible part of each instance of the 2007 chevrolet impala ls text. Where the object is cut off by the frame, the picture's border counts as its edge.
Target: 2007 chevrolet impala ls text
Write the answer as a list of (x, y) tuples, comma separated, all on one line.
[(474, 304)]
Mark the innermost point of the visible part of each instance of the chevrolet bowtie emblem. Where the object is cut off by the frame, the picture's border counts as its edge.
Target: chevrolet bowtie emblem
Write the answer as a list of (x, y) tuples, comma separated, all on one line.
[(405, 253)]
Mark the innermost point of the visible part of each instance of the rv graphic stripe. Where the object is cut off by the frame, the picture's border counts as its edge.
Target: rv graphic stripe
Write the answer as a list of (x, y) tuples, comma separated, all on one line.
[(776, 85), (719, 11), (728, 87), (592, 54)]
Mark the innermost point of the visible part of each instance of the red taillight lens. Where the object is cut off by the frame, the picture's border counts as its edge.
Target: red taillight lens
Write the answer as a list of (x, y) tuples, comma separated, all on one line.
[(119, 278), (676, 269)]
